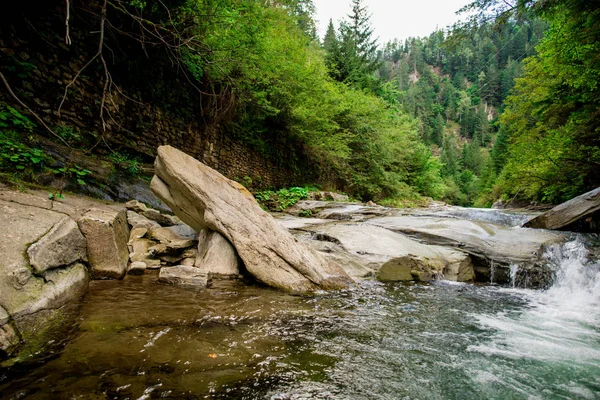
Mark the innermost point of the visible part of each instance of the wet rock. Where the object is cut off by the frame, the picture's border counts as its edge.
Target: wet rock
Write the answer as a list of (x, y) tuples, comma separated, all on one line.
[(62, 245), (580, 214), (136, 220), (137, 268), (486, 243), (388, 255), (107, 235), (181, 275), (23, 295), (203, 198), (9, 340), (216, 256)]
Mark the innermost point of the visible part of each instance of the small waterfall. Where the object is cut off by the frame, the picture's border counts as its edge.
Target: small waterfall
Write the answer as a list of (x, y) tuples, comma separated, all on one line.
[(514, 270), (560, 324), (492, 271)]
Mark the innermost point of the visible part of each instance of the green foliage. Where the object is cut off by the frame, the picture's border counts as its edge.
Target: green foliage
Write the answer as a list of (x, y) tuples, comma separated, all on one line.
[(281, 199), (10, 118), (15, 155), (68, 133), (551, 120), (74, 173), (126, 163)]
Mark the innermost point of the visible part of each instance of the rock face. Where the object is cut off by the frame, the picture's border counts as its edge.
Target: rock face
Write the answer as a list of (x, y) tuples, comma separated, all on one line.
[(181, 275), (34, 297), (216, 256), (388, 255), (107, 235), (203, 198), (63, 245), (579, 214)]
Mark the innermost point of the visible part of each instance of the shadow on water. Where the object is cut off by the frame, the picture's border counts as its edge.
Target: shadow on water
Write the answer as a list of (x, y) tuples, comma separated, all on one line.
[(141, 340)]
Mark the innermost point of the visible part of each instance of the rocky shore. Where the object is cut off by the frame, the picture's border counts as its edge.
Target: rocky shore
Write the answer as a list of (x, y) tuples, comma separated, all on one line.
[(52, 249)]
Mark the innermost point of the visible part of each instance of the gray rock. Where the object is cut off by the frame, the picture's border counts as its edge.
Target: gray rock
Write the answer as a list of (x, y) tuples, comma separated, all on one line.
[(136, 206), (181, 275), (136, 220), (486, 243), (388, 255), (328, 196), (25, 296), (162, 219), (4, 317), (9, 340), (62, 245), (176, 233), (203, 198), (140, 251), (216, 256), (137, 268), (188, 262), (137, 233), (107, 235), (581, 213)]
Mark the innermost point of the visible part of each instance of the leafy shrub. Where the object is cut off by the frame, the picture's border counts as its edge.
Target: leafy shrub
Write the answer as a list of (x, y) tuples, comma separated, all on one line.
[(282, 199), (131, 165), (15, 155)]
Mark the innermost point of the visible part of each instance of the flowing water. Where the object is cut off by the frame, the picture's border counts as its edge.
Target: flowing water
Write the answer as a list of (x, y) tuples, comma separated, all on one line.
[(138, 339)]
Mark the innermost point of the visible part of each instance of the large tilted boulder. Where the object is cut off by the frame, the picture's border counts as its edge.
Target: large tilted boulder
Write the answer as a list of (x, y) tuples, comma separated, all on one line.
[(203, 198), (581, 213), (107, 234)]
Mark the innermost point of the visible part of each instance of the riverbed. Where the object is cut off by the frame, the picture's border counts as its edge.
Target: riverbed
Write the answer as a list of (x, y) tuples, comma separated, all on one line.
[(138, 339)]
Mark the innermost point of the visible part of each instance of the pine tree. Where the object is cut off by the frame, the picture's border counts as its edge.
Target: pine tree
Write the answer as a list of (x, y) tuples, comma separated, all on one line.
[(358, 57)]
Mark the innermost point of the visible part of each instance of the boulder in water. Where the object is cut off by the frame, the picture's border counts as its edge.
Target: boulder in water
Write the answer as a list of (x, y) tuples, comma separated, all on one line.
[(107, 235), (184, 276), (203, 198), (580, 214)]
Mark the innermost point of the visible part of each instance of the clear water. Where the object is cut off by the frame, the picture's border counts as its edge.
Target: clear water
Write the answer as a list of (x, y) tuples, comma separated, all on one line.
[(141, 340)]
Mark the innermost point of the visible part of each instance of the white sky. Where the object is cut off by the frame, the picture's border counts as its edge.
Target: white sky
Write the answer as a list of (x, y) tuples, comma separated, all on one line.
[(394, 18)]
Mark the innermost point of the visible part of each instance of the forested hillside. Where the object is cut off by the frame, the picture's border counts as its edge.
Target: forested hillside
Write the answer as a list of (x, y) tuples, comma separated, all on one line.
[(441, 116), (455, 85)]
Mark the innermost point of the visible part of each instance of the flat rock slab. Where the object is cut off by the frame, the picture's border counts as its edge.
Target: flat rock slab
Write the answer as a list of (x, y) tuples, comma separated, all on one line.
[(203, 198), (581, 213), (107, 234), (388, 255), (136, 220), (486, 241), (181, 275)]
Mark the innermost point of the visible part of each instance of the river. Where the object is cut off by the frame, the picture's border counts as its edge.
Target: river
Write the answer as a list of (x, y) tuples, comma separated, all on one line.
[(137, 339)]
